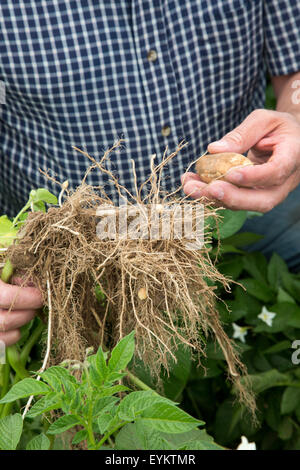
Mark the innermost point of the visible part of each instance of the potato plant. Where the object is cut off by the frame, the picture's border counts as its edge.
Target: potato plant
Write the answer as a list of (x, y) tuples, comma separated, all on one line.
[(92, 405), (98, 411), (99, 403)]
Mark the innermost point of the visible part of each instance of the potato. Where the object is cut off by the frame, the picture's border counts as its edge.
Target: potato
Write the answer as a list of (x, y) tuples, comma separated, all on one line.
[(215, 166)]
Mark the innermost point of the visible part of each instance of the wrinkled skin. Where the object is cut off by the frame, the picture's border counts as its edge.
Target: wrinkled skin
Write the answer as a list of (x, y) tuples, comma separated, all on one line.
[(272, 139)]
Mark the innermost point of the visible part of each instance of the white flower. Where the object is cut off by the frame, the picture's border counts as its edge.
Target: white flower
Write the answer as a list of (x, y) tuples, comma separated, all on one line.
[(267, 316), (246, 445), (239, 332)]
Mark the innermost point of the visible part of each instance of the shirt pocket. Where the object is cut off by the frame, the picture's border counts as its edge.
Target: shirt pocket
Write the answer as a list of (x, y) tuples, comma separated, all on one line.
[(232, 30)]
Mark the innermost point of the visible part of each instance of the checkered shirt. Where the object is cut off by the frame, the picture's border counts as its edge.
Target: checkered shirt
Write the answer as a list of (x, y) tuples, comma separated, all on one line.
[(80, 73)]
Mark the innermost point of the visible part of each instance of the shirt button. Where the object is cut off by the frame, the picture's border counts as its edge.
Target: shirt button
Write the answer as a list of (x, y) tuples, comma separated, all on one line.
[(166, 131), (152, 55)]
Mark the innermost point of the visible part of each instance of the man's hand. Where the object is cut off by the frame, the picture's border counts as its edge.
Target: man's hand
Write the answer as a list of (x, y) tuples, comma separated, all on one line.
[(273, 141), (17, 307)]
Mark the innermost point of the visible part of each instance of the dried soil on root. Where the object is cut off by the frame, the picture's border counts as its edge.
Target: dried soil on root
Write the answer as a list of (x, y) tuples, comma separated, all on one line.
[(162, 289)]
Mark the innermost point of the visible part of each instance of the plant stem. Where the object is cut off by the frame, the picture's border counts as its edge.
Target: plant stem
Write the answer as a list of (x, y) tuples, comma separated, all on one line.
[(91, 435), (5, 380), (111, 442), (24, 209), (138, 382), (31, 342), (8, 406), (5, 409), (107, 435), (6, 274), (14, 360)]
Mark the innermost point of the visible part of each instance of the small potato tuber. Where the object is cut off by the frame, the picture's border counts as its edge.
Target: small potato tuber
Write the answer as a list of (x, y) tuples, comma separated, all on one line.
[(215, 166)]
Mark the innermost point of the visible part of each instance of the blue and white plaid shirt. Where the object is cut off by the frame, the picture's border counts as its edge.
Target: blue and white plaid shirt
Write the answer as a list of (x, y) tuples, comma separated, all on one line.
[(85, 72)]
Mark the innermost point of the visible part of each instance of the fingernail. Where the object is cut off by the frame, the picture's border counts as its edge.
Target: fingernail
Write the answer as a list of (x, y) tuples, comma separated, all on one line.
[(216, 192), (234, 177), (222, 144), (183, 178)]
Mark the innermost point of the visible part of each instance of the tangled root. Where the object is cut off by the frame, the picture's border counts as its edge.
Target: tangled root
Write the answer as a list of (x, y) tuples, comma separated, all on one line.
[(164, 289)]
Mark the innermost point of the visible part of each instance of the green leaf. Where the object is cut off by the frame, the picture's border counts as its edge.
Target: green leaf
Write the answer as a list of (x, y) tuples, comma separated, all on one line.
[(115, 376), (243, 239), (226, 426), (290, 400), (275, 269), (272, 414), (292, 285), (47, 403), (57, 376), (226, 249), (100, 363), (265, 380), (39, 206), (104, 404), (231, 223), (297, 412), (25, 388), (136, 402), (197, 439), (168, 418), (107, 392), (214, 351), (283, 296), (261, 363), (246, 303), (7, 231), (150, 438), (232, 267), (122, 353), (285, 429), (80, 436), (10, 431), (179, 372), (45, 196), (40, 442), (202, 445), (96, 378), (63, 424), (104, 421), (257, 289), (256, 265), (211, 368), (139, 436), (284, 345)]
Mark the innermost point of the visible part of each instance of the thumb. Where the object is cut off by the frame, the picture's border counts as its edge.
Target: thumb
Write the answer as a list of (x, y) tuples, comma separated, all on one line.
[(258, 124)]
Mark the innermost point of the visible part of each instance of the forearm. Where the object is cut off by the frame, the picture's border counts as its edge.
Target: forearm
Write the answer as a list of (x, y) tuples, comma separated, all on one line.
[(287, 92)]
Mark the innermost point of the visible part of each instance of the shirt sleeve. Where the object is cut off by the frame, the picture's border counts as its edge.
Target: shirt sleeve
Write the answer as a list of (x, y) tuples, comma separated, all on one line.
[(282, 36)]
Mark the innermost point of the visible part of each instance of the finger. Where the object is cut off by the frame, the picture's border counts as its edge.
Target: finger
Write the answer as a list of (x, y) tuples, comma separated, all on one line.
[(15, 319), (22, 281), (256, 126), (274, 172), (11, 337), (258, 157), (232, 197), (194, 188), (19, 298), (189, 176)]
